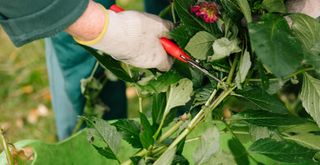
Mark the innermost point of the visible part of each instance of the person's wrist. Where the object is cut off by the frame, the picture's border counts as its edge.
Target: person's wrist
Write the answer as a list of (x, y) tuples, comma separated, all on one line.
[(90, 24)]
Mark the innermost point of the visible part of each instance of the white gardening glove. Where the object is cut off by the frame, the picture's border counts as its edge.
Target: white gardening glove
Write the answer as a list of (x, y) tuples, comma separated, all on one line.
[(133, 37), (308, 7)]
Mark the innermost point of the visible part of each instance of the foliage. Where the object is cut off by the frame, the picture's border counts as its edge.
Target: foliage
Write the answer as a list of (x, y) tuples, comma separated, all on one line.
[(244, 118)]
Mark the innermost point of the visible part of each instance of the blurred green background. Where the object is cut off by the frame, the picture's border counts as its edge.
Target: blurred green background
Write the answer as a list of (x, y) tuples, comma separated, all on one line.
[(25, 108)]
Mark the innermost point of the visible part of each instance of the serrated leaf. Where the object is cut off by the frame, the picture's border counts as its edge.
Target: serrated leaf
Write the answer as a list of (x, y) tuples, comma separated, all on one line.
[(283, 151), (244, 67), (166, 158), (274, 6), (146, 135), (107, 132), (105, 151), (238, 151), (130, 130), (209, 145), (161, 83), (310, 96), (181, 35), (307, 30), (200, 45), (267, 119), (275, 45), (263, 101), (307, 134), (111, 64), (179, 94), (223, 47)]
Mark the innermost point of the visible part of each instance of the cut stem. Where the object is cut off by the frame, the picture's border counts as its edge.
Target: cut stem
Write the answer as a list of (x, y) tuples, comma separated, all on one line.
[(6, 148)]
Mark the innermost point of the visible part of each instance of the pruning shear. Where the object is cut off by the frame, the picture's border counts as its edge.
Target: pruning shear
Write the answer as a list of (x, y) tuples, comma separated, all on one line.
[(175, 51)]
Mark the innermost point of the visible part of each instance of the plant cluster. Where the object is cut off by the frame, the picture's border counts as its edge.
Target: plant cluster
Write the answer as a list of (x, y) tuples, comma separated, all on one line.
[(264, 110)]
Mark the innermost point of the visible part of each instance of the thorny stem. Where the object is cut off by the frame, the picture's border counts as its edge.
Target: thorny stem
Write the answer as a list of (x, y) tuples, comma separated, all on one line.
[(6, 148)]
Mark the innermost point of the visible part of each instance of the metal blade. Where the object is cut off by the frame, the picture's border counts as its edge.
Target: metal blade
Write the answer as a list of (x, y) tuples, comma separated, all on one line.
[(203, 70)]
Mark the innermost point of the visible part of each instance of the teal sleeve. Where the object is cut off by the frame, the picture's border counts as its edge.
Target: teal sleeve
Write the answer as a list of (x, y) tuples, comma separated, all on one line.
[(28, 20)]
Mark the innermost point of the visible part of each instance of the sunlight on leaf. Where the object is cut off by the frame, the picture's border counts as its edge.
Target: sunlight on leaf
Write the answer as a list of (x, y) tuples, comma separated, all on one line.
[(209, 145), (310, 96), (166, 158), (179, 94), (244, 67), (284, 151), (223, 47), (200, 45)]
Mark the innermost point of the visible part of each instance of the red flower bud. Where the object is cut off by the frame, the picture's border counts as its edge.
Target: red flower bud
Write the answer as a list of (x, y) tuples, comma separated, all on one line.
[(207, 11)]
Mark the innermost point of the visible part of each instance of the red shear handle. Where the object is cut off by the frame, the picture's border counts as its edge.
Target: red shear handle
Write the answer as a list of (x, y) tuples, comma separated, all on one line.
[(116, 8), (174, 50), (169, 46)]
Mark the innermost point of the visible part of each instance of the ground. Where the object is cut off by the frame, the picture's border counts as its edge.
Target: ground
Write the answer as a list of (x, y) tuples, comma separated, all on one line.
[(25, 106)]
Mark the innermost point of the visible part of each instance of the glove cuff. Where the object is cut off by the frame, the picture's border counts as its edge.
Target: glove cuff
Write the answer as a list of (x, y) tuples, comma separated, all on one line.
[(101, 35)]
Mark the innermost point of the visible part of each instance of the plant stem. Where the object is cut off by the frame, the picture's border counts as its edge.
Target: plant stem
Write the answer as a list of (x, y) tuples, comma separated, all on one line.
[(298, 72), (172, 130), (233, 69), (141, 153), (6, 148), (198, 118), (140, 104)]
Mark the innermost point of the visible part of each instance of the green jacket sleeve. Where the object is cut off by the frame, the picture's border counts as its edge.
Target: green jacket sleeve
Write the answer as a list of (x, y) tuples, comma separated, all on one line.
[(28, 20)]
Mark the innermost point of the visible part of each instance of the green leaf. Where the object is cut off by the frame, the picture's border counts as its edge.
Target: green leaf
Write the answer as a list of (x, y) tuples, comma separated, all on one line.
[(238, 151), (181, 35), (209, 145), (179, 94), (267, 119), (73, 150), (263, 101), (111, 64), (146, 133), (257, 132), (107, 132), (274, 6), (166, 158), (283, 151), (264, 79), (223, 47), (310, 96), (161, 83), (244, 67), (200, 45), (245, 8), (307, 30), (158, 106), (307, 134), (202, 95), (129, 130), (105, 151), (275, 45)]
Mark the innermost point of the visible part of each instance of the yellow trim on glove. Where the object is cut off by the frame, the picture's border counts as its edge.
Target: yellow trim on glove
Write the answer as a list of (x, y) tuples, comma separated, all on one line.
[(101, 35)]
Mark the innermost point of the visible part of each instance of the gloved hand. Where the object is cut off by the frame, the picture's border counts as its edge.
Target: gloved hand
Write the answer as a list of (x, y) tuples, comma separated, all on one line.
[(133, 37), (308, 7)]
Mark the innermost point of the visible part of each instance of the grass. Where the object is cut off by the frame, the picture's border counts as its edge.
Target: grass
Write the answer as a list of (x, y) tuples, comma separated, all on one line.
[(24, 86)]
